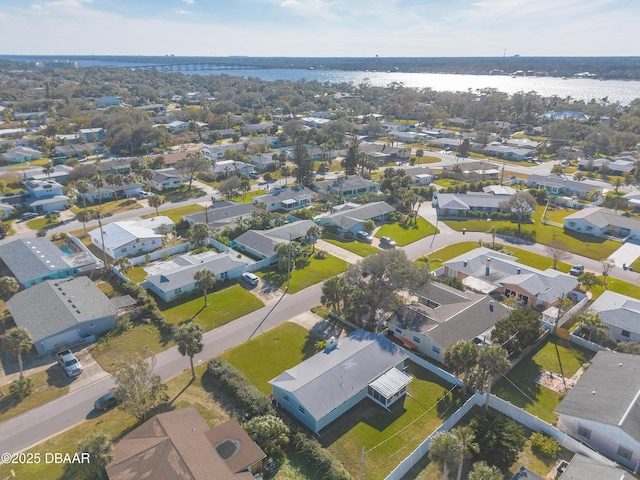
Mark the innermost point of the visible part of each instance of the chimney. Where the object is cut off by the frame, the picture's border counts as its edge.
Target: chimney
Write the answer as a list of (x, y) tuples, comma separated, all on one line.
[(491, 304), (487, 270), (332, 344), (518, 272)]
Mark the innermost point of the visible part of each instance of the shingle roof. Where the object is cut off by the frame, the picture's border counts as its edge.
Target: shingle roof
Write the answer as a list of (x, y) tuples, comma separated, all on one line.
[(608, 393), (180, 445), (265, 241), (328, 379), (33, 258), (223, 213), (618, 310), (349, 217), (285, 194), (557, 181), (584, 468), (55, 305), (119, 234), (469, 200), (603, 217)]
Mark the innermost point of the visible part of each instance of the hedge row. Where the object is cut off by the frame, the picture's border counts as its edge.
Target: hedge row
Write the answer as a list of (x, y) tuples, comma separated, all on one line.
[(148, 304), (248, 398), (328, 467)]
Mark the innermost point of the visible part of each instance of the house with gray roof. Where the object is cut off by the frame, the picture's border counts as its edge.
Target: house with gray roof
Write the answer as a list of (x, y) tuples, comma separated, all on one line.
[(621, 313), (130, 238), (485, 271), (45, 196), (351, 217), (165, 179), (610, 166), (602, 222), (175, 277), (261, 244), (506, 151), (21, 155), (583, 467), (363, 365), (472, 170), (222, 214), (559, 186), (33, 260), (444, 316), (602, 409), (62, 312), (461, 204), (286, 199), (347, 187)]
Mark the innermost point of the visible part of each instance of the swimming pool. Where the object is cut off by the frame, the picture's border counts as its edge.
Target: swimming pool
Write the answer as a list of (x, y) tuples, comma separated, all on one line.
[(66, 250)]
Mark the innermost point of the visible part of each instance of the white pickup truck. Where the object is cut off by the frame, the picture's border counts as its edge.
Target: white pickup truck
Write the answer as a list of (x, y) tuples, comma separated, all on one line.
[(68, 361)]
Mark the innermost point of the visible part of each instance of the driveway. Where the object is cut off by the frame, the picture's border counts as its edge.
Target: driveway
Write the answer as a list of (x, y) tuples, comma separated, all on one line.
[(626, 254), (269, 294)]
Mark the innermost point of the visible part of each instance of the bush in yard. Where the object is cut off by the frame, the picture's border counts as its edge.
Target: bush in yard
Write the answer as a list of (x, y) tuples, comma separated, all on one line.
[(21, 387), (248, 398), (545, 445), (328, 467)]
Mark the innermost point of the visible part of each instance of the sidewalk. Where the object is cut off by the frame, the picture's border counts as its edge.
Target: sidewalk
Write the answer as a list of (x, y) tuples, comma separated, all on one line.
[(337, 251)]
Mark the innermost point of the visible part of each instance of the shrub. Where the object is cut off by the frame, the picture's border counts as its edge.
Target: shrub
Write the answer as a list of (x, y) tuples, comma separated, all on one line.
[(248, 398), (21, 387), (545, 445), (320, 254), (529, 235), (328, 467), (123, 324)]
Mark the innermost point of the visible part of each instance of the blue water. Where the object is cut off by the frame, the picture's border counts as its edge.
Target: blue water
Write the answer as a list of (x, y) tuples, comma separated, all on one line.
[(66, 250)]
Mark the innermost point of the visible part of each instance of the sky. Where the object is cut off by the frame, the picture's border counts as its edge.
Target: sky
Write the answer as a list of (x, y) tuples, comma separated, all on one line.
[(321, 28)]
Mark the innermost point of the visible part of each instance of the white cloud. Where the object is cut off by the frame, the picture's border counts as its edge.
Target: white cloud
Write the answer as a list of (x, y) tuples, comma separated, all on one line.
[(35, 6), (190, 2)]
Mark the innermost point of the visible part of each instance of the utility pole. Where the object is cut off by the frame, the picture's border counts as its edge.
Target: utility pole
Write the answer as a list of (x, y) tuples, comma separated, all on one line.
[(556, 343), (288, 264)]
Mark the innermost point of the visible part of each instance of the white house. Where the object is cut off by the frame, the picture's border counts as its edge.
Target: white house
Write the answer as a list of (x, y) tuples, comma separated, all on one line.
[(262, 244), (602, 409), (286, 198), (21, 155), (123, 239), (177, 126), (165, 179), (621, 314), (324, 387), (602, 222), (351, 217), (46, 196), (347, 187)]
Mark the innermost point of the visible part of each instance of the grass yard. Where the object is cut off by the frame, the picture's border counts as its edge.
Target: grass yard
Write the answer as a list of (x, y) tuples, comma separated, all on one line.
[(308, 272), (427, 159), (181, 193), (388, 437), (136, 274), (47, 385), (405, 233), (111, 207), (176, 214), (41, 222), (142, 339), (248, 197), (224, 305), (580, 244), (447, 253), (446, 182), (280, 348), (354, 246), (519, 387)]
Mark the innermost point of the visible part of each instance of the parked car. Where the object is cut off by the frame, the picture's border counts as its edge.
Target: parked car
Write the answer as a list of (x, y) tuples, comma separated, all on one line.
[(144, 194), (387, 242), (28, 215), (105, 402), (364, 236), (250, 278), (576, 270), (68, 361), (254, 175)]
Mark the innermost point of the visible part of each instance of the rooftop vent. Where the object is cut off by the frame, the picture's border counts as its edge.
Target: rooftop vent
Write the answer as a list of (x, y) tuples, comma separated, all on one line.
[(332, 344)]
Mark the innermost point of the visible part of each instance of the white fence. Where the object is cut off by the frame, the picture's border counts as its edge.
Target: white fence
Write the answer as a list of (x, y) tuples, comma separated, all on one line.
[(434, 369), (158, 254), (583, 342), (569, 314)]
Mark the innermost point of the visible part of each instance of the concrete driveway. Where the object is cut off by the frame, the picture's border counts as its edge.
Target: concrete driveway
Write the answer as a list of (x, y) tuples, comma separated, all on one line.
[(626, 254)]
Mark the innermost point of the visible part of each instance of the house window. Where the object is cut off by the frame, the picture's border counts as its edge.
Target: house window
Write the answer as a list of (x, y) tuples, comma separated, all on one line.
[(398, 330), (416, 339), (286, 397), (153, 242), (436, 350), (584, 432), (123, 250), (589, 229), (177, 290), (625, 333), (624, 452), (302, 410)]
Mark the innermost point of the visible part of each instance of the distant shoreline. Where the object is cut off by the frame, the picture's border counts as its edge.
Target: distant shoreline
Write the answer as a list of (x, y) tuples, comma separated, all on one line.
[(605, 68)]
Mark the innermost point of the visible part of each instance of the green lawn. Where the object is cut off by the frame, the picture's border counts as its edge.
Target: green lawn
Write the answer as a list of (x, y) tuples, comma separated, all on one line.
[(176, 214), (354, 246), (280, 348), (41, 222), (137, 274), (248, 197), (578, 243), (181, 193), (307, 273), (447, 253), (405, 233), (47, 386), (388, 437), (427, 159), (446, 182), (520, 388), (223, 306), (111, 207)]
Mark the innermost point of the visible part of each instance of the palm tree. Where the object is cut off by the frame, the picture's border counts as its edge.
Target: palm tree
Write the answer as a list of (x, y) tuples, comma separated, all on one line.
[(493, 231), (285, 171), (206, 280), (123, 264), (82, 188), (482, 471), (147, 174), (334, 291), (466, 439), (18, 341), (461, 357), (98, 182), (312, 236), (188, 336), (8, 286), (445, 450), (85, 216), (154, 202), (493, 361), (48, 169), (419, 154), (245, 186), (593, 322)]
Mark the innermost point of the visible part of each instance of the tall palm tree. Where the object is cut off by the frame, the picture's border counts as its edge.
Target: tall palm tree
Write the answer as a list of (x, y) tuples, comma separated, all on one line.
[(82, 188), (466, 439), (493, 361), (593, 322), (188, 336), (98, 182), (461, 357), (483, 471), (334, 291), (313, 235), (123, 264), (48, 169), (154, 202), (85, 216), (18, 342), (445, 450), (206, 280)]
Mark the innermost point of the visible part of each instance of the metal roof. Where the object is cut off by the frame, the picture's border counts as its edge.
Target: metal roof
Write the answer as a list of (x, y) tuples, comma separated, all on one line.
[(391, 382)]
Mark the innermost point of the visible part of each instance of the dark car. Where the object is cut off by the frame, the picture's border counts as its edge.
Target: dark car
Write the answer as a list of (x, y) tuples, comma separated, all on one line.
[(105, 402), (576, 270), (387, 242)]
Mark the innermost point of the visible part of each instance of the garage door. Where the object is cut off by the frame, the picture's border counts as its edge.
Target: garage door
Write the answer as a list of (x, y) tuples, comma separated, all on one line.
[(62, 338)]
